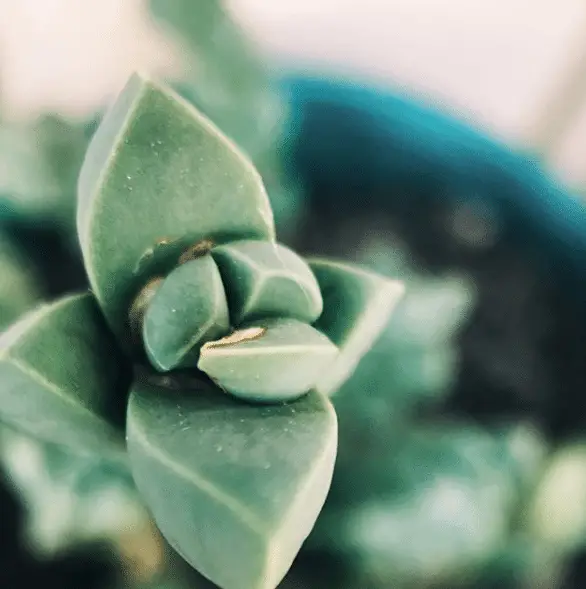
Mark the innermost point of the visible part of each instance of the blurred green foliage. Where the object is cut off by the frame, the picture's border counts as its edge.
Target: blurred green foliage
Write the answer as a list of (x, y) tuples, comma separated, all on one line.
[(68, 498), (418, 499), (39, 163), (19, 288)]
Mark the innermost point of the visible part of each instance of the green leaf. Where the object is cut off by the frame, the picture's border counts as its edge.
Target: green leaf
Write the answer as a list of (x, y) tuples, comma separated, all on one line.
[(265, 279), (357, 306), (234, 487), (189, 307), (269, 360), (396, 381), (61, 375), (158, 177)]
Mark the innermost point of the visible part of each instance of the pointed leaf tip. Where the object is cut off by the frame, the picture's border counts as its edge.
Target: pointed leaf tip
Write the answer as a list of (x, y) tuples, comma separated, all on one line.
[(235, 488), (357, 307), (265, 279), (157, 178)]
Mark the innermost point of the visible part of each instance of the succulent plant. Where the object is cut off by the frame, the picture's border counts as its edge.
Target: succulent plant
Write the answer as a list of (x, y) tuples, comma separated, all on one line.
[(215, 345)]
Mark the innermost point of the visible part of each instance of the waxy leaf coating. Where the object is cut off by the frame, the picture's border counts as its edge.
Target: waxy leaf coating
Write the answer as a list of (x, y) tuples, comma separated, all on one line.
[(234, 487), (266, 279), (189, 307), (269, 361), (157, 178), (61, 375), (357, 307)]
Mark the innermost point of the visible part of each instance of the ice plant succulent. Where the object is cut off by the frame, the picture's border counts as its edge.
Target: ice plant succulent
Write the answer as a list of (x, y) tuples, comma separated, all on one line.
[(220, 345)]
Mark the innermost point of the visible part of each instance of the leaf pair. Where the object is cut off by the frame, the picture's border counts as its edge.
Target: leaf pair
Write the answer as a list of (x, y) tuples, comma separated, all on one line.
[(235, 487), (263, 289)]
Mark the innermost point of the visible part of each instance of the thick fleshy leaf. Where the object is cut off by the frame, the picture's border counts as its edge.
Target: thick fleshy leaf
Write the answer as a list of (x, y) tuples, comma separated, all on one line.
[(188, 307), (61, 375), (269, 360), (234, 487), (357, 307), (158, 177), (264, 279)]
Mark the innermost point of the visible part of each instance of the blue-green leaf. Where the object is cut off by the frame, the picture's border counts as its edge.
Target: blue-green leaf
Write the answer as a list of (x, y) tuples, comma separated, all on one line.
[(61, 375), (357, 307), (269, 361), (234, 487), (225, 77), (159, 177), (264, 279), (189, 307)]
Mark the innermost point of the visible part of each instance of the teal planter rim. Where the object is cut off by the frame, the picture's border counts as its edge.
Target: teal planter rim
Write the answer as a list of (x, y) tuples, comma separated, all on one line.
[(344, 135)]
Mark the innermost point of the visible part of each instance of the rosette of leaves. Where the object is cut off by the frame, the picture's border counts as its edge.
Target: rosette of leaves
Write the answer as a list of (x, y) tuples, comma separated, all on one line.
[(219, 345)]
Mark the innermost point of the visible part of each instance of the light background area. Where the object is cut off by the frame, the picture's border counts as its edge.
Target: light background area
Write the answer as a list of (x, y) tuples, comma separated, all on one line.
[(495, 63)]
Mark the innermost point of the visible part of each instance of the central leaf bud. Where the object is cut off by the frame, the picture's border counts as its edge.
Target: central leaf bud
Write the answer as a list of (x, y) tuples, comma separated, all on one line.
[(241, 312)]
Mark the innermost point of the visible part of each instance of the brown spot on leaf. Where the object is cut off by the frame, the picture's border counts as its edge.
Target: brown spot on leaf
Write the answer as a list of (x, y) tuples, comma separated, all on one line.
[(139, 307), (197, 250), (236, 337)]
